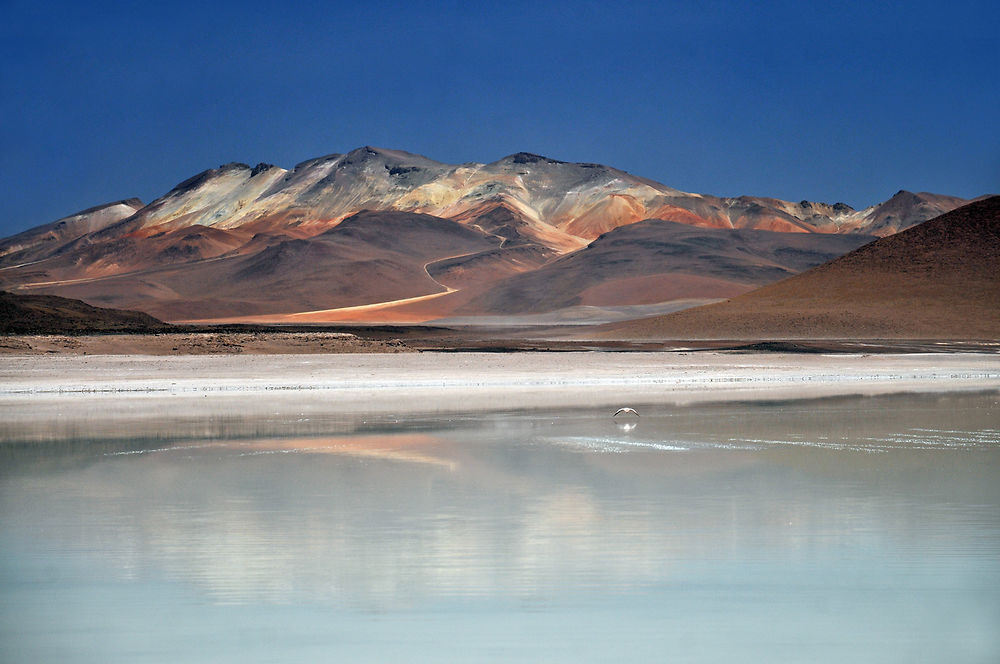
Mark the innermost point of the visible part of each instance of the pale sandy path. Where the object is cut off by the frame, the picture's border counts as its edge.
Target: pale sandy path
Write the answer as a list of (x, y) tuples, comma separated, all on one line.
[(323, 314), (337, 314)]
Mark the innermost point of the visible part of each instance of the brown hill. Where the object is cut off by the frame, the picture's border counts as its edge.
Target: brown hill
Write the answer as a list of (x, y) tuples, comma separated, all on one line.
[(49, 314), (940, 279)]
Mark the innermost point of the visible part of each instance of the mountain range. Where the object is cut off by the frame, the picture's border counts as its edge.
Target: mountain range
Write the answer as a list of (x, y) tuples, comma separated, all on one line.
[(379, 234)]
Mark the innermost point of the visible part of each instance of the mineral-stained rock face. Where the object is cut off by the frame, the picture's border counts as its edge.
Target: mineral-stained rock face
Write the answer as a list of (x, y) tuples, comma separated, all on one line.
[(185, 254)]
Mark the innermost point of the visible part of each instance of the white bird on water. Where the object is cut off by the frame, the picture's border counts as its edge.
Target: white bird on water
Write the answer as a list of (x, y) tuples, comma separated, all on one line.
[(626, 411)]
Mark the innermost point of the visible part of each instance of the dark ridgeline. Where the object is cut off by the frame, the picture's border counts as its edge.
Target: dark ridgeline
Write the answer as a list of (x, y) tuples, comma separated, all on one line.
[(50, 314)]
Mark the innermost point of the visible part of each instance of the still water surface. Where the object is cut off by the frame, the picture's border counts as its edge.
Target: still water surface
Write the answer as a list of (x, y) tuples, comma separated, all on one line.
[(836, 530)]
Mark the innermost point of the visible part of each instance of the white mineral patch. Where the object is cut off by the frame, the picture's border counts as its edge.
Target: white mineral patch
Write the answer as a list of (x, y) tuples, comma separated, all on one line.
[(57, 386)]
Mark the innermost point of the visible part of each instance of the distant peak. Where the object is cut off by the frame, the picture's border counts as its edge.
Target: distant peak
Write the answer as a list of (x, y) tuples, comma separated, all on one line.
[(362, 155), (903, 197), (201, 178), (364, 150), (369, 153), (260, 168), (530, 158), (133, 203), (317, 160)]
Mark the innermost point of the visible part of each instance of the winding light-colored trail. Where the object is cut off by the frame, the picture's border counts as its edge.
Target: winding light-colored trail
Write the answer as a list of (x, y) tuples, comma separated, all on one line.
[(377, 306), (14, 267), (361, 308), (349, 313)]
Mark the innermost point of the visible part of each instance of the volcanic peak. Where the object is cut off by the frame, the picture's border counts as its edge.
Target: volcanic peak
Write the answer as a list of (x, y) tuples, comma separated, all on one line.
[(309, 163), (368, 153), (134, 203), (196, 181), (260, 168)]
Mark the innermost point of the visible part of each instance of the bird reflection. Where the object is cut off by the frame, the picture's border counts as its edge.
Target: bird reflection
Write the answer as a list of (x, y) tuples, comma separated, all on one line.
[(627, 426)]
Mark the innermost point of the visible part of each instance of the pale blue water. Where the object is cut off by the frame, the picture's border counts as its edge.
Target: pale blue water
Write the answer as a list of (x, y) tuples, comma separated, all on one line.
[(838, 530)]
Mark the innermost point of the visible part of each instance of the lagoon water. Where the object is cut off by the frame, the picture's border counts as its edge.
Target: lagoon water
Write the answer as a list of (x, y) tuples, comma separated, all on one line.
[(850, 529)]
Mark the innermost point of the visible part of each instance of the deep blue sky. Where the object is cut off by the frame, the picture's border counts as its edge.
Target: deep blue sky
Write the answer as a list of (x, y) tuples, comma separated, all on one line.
[(829, 101)]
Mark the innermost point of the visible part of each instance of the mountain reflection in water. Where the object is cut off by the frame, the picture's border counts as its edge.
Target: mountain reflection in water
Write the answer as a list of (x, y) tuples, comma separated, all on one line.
[(813, 516)]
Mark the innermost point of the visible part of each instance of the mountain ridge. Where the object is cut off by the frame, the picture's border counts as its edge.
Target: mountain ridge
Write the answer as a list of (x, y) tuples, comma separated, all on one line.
[(520, 212), (415, 183)]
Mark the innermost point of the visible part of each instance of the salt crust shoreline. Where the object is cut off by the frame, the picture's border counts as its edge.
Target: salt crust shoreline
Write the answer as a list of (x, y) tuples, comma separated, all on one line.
[(454, 382)]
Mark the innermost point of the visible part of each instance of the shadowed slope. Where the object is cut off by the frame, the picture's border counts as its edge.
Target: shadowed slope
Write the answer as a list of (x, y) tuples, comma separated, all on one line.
[(370, 257), (47, 314), (940, 279), (656, 261)]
